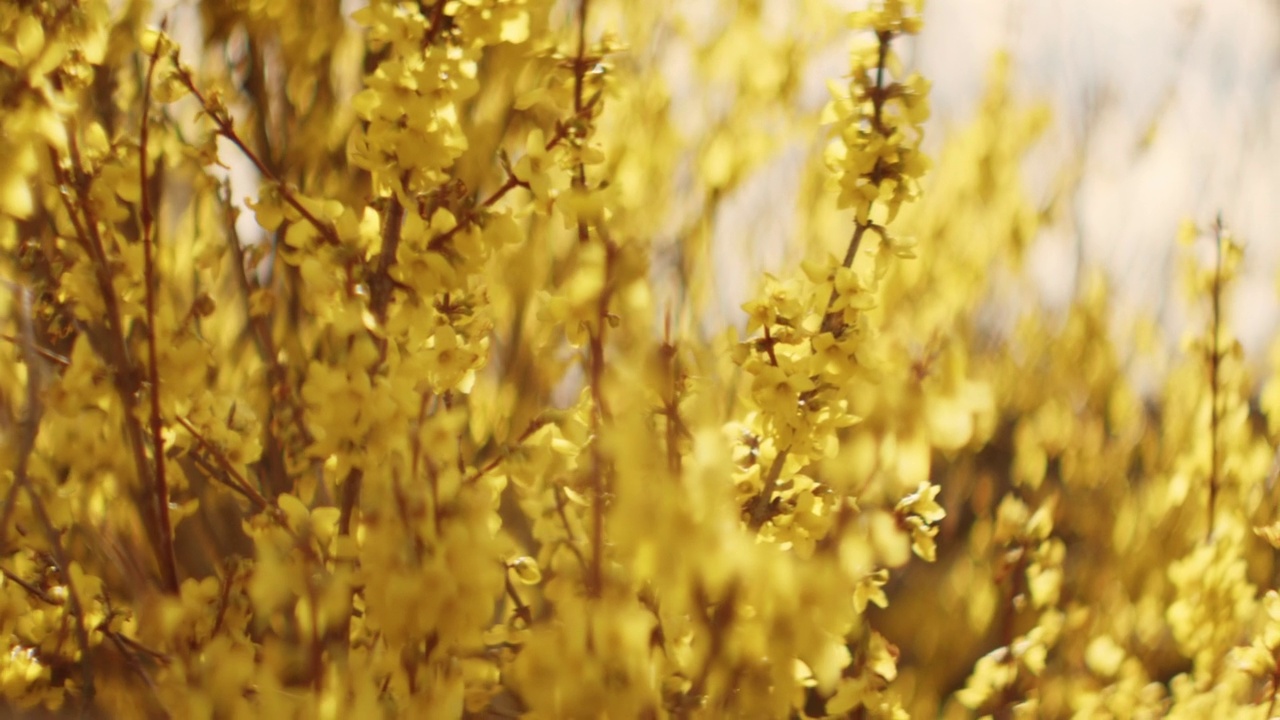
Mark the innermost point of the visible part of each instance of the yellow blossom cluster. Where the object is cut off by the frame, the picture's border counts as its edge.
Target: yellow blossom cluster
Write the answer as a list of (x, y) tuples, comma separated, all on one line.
[(426, 417)]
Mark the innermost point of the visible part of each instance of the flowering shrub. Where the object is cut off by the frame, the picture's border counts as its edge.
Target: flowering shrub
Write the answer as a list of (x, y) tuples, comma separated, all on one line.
[(430, 424)]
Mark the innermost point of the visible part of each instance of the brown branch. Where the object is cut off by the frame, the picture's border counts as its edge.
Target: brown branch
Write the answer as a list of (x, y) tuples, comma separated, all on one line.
[(1215, 361), (255, 83), (675, 428), (339, 637), (512, 183), (522, 610), (436, 23), (761, 509), (350, 498), (769, 343), (564, 128), (224, 599), (595, 584), (1008, 626), (167, 558), (469, 218), (878, 97), (829, 317), (595, 371), (381, 285), (194, 461)]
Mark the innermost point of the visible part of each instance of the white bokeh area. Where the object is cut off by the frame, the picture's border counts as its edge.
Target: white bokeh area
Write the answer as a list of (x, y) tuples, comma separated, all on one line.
[(1166, 109)]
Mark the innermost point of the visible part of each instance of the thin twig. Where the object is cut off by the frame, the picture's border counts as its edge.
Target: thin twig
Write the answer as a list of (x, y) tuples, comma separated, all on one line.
[(494, 462), (559, 493), (248, 490), (226, 128), (522, 610), (32, 590), (42, 352)]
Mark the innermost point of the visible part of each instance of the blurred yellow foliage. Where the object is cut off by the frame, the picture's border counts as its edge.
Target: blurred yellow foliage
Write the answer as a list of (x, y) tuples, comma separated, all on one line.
[(432, 424)]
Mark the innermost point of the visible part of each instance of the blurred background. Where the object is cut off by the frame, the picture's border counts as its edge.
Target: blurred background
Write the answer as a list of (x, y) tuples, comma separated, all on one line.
[(1163, 110)]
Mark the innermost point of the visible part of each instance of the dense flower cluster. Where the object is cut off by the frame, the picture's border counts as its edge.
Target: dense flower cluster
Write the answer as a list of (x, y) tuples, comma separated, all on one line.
[(427, 420)]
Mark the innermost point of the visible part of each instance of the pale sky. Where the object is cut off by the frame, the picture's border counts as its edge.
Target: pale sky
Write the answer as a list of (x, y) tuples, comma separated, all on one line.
[(1199, 80)]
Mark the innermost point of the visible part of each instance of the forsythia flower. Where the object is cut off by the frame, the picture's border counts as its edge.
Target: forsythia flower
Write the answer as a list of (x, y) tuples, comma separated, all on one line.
[(432, 420)]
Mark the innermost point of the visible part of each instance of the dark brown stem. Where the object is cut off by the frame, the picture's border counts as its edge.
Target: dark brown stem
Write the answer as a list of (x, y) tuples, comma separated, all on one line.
[(381, 285), (595, 577), (769, 342), (339, 637), (671, 403), (168, 560), (1215, 361), (1008, 626), (224, 598), (579, 76), (350, 498), (878, 98), (437, 23), (761, 508), (595, 370), (830, 322), (522, 610), (563, 128), (256, 85), (512, 183), (579, 70), (599, 483)]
